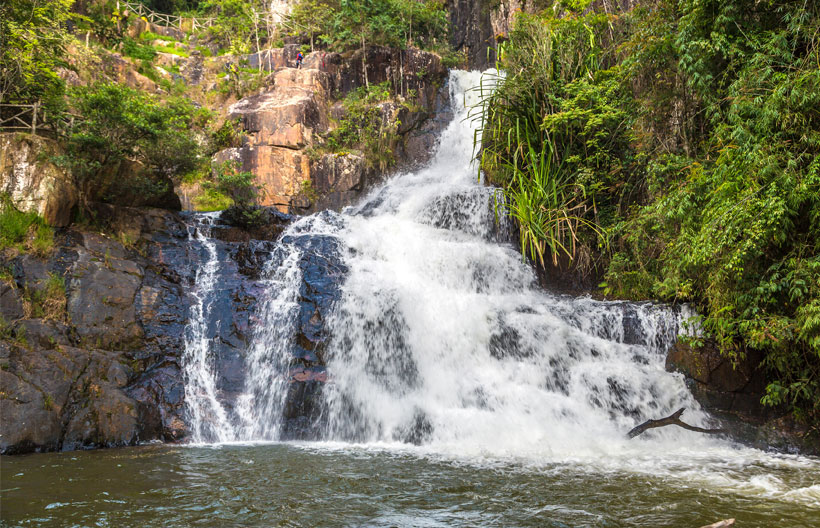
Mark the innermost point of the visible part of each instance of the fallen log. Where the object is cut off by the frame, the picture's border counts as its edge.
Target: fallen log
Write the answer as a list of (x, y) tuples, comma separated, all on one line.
[(673, 419)]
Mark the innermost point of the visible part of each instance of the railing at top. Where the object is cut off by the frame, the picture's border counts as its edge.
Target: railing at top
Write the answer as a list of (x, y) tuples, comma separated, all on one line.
[(33, 118), (267, 18)]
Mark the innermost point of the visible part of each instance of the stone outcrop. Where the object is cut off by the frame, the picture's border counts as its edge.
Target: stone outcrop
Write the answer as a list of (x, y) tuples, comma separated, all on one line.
[(104, 368), (733, 391), (472, 31), (33, 181), (76, 378), (291, 114)]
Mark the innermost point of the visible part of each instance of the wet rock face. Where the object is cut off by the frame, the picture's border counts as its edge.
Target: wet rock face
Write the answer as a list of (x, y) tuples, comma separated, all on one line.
[(105, 370), (717, 383), (733, 392), (72, 377), (323, 272)]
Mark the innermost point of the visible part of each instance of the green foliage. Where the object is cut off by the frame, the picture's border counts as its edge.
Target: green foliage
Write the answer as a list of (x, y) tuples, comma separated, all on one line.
[(212, 200), (25, 232), (347, 24), (235, 28), (120, 123), (148, 36), (238, 185), (554, 134), (32, 47), (227, 135), (693, 128), (132, 48), (172, 50), (362, 126)]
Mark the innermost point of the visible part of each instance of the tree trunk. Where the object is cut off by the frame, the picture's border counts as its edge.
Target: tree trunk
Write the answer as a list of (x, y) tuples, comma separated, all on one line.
[(364, 63)]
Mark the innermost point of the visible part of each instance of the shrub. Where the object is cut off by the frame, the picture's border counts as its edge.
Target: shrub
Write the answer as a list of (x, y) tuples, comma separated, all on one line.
[(121, 123), (132, 48)]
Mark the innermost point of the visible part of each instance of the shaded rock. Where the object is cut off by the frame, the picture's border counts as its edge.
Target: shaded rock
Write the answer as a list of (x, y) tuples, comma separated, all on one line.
[(35, 184), (733, 393), (11, 306), (472, 31), (101, 303)]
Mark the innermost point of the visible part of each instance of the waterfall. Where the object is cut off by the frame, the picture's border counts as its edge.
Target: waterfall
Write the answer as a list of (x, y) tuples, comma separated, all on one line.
[(442, 337), (435, 331), (207, 417)]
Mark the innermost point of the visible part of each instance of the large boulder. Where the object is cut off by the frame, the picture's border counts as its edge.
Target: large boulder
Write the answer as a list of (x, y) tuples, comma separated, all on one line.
[(33, 181), (280, 172), (290, 113)]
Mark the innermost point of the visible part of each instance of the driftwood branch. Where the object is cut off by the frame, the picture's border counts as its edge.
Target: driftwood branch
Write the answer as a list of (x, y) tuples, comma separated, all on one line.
[(674, 419), (726, 523)]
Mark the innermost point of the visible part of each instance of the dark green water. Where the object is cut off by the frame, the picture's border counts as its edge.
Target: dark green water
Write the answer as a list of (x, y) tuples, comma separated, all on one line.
[(316, 485)]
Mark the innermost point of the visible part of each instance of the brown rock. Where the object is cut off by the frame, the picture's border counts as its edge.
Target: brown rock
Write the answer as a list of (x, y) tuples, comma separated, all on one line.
[(34, 183), (288, 114)]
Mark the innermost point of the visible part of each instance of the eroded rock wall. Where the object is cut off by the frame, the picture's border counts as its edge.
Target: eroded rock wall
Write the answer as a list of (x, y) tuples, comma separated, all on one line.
[(33, 181), (285, 123)]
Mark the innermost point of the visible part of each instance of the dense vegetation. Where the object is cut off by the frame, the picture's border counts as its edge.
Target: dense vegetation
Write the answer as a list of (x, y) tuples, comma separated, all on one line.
[(346, 24), (675, 149)]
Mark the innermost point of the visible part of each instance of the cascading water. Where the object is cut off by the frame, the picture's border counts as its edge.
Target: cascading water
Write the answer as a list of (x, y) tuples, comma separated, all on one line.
[(206, 415), (442, 338), (434, 333)]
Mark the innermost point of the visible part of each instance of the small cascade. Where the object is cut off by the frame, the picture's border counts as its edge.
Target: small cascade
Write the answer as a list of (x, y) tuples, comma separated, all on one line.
[(208, 419), (269, 355)]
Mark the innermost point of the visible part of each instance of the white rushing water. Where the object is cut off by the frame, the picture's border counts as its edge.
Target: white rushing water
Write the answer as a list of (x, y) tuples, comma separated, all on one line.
[(442, 338), (206, 415), (260, 408)]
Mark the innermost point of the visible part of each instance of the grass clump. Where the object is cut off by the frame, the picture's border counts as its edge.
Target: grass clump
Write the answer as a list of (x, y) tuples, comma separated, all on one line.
[(23, 232), (136, 50), (172, 50), (47, 301), (148, 36)]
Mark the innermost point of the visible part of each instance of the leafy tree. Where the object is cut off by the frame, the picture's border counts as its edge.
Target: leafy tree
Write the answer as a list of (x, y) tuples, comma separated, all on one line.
[(32, 46), (120, 123), (311, 16)]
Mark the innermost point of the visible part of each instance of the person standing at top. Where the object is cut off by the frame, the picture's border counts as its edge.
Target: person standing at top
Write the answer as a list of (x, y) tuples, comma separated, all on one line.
[(299, 58)]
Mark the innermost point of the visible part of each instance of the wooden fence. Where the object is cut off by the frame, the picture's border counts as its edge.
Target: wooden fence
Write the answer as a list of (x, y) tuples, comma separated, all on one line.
[(21, 117), (266, 18), (32, 118)]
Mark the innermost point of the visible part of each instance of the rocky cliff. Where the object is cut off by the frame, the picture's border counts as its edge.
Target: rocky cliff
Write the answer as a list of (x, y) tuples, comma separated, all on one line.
[(93, 335), (285, 122)]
